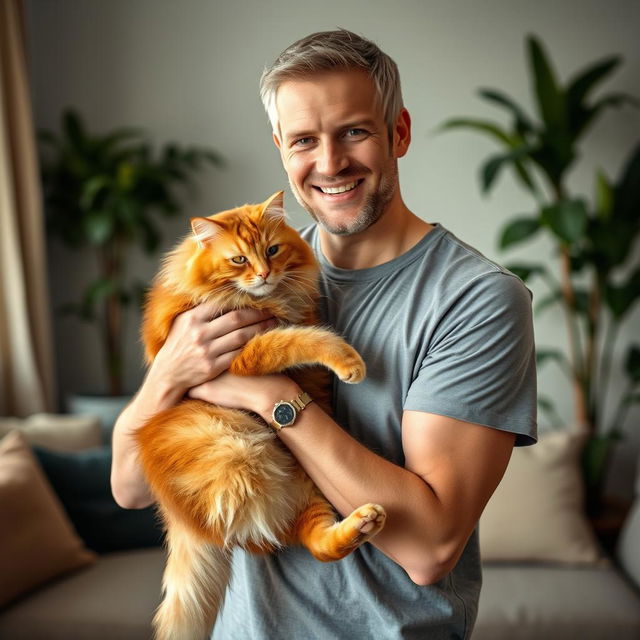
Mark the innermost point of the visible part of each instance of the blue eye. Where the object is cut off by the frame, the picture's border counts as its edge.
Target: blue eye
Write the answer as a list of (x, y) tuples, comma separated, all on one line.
[(271, 251), (355, 133)]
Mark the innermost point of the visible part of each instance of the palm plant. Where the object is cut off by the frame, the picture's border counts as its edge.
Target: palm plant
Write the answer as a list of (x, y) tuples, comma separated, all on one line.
[(593, 240), (104, 191)]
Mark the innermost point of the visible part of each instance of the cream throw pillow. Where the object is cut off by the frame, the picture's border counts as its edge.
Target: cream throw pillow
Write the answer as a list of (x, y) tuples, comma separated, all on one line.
[(536, 513), (37, 540), (63, 433)]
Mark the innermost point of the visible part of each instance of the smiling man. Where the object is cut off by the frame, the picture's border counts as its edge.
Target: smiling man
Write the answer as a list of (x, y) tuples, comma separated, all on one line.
[(448, 341)]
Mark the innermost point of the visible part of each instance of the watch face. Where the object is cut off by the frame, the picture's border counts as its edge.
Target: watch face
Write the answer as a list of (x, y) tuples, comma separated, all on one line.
[(284, 414)]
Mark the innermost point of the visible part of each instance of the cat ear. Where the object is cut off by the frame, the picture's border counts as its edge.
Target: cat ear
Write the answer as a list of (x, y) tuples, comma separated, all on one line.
[(204, 230), (273, 207)]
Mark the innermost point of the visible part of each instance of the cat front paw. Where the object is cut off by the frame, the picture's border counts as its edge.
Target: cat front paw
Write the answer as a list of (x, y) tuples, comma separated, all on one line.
[(351, 369)]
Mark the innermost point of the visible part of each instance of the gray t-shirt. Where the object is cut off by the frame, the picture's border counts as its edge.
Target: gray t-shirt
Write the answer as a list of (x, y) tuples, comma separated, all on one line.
[(442, 330)]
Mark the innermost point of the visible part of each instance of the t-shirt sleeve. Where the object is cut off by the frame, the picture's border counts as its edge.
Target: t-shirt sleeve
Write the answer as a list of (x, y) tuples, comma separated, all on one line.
[(480, 364)]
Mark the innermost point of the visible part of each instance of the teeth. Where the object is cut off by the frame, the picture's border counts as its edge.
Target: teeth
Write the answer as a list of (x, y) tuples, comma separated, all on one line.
[(342, 189)]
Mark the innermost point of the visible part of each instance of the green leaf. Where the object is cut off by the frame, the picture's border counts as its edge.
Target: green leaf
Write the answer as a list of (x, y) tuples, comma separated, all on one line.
[(594, 457), (621, 298), (526, 271), (553, 355), (551, 101), (580, 87), (491, 169), (523, 123), (632, 363), (584, 117), (546, 406), (91, 189), (518, 230), (627, 196), (567, 219), (604, 196), (98, 225), (580, 300), (74, 129), (482, 126), (548, 300), (96, 291)]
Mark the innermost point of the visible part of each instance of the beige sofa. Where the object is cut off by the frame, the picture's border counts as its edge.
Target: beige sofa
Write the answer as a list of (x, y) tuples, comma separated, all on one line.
[(544, 575)]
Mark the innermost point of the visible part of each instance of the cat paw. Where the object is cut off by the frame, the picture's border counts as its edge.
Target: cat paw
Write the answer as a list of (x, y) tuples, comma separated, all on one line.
[(368, 520), (351, 369)]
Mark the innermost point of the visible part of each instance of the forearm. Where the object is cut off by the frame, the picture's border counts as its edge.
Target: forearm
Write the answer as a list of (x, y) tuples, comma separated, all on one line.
[(419, 530), (128, 484)]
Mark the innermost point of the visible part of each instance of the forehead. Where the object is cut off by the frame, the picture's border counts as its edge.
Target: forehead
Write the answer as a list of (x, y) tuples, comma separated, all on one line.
[(326, 100)]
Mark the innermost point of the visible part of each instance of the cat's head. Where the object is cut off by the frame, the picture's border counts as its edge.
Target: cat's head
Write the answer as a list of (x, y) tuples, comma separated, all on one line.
[(250, 251)]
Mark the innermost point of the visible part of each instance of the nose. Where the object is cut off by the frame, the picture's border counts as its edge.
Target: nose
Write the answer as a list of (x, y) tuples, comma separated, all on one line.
[(263, 273), (331, 158)]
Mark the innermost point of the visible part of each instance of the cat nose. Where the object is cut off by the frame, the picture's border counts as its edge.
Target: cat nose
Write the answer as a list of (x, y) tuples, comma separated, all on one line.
[(263, 274)]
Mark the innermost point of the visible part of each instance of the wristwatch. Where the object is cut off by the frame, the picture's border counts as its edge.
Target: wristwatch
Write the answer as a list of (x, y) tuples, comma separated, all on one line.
[(286, 413)]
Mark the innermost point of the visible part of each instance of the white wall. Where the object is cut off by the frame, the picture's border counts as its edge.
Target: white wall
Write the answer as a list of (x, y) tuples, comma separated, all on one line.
[(188, 71)]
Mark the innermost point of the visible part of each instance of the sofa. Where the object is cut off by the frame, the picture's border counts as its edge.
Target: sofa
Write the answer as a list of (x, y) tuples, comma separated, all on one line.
[(545, 576)]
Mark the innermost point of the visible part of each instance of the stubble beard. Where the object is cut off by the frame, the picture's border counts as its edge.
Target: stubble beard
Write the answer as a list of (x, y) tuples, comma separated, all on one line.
[(372, 210)]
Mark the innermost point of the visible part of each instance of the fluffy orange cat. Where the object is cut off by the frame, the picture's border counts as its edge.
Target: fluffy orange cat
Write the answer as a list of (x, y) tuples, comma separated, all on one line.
[(221, 477)]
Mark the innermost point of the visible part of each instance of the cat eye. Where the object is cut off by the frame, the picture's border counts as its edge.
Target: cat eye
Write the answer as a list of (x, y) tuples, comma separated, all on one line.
[(271, 251), (239, 259)]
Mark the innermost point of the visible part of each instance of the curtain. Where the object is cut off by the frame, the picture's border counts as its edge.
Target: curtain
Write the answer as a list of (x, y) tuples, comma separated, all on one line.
[(26, 354)]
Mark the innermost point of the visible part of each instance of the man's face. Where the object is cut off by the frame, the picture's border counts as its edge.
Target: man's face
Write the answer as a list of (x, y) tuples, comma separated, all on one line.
[(335, 148)]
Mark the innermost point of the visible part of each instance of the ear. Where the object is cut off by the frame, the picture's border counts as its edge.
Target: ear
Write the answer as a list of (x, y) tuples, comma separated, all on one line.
[(273, 207), (402, 134), (205, 230)]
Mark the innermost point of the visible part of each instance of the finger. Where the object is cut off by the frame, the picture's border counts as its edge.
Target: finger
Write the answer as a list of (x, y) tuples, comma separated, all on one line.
[(234, 320), (206, 311), (235, 340)]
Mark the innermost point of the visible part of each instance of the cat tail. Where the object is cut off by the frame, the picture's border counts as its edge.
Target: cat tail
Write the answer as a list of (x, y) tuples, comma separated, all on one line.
[(194, 584), (283, 348)]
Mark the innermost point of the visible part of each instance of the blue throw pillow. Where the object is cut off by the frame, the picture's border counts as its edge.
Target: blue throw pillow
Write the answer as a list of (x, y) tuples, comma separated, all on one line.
[(82, 481)]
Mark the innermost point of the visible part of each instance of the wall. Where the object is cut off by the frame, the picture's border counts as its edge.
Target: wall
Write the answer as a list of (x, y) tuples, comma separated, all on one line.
[(188, 71)]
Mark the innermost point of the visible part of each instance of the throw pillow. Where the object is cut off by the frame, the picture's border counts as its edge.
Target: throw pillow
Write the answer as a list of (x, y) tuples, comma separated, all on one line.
[(37, 541), (57, 432), (82, 481), (536, 513)]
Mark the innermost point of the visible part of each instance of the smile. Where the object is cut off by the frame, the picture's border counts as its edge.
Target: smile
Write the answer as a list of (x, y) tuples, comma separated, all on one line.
[(341, 189)]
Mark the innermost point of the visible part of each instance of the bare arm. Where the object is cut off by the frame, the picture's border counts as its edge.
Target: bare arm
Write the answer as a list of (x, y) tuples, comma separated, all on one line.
[(433, 504), (200, 346)]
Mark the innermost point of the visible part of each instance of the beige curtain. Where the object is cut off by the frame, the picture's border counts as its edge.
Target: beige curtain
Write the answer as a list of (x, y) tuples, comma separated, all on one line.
[(26, 361)]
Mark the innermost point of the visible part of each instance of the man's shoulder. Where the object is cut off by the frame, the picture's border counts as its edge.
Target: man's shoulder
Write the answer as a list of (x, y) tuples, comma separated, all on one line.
[(307, 232), (458, 265)]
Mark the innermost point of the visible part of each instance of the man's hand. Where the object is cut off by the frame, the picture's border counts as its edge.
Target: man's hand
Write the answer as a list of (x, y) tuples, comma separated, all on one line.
[(202, 344), (252, 393)]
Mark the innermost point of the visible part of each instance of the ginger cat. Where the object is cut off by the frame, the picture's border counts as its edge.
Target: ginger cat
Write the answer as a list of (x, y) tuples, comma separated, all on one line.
[(221, 477)]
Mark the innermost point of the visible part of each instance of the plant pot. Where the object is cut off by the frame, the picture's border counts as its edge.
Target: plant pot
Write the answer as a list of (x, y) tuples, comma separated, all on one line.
[(105, 408)]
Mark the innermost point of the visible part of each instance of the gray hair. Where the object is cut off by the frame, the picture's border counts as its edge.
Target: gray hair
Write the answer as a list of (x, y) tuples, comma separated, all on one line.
[(330, 51)]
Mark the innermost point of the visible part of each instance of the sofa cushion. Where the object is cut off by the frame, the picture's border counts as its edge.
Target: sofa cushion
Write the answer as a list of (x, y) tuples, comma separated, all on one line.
[(556, 603), (536, 513), (56, 432), (111, 600), (82, 481), (37, 541)]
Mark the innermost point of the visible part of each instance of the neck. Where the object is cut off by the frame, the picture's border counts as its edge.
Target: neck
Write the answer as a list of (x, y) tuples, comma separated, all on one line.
[(396, 231)]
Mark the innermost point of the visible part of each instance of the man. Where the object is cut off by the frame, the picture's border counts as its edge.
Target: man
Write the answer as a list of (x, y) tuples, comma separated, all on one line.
[(448, 342)]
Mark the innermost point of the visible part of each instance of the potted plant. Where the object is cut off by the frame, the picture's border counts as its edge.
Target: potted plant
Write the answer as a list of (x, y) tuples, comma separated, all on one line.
[(105, 192), (596, 283)]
